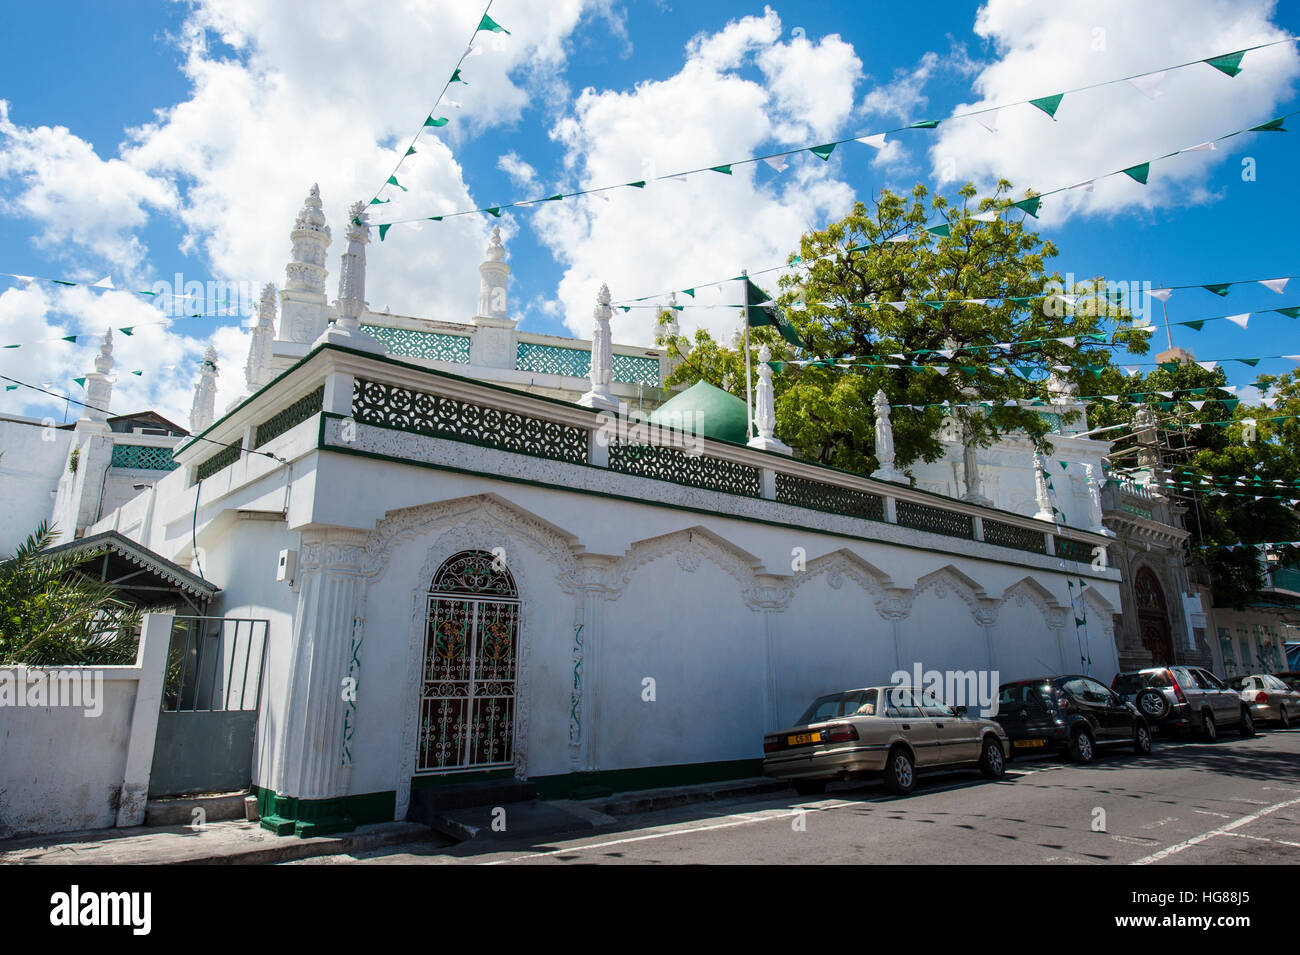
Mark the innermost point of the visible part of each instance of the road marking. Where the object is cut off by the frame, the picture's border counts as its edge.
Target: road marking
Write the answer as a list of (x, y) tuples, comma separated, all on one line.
[(1135, 840), (1161, 822), (1221, 830), (1280, 842), (1206, 812)]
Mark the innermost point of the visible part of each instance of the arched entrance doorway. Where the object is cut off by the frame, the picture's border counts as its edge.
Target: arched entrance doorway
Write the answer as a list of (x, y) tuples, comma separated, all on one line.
[(467, 699), (1153, 618)]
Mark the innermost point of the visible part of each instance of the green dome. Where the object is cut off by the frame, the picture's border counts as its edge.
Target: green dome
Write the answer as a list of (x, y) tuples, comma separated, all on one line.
[(723, 415)]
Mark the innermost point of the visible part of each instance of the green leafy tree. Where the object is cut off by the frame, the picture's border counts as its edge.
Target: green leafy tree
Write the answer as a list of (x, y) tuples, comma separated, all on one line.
[(886, 254), (1225, 474), (52, 615)]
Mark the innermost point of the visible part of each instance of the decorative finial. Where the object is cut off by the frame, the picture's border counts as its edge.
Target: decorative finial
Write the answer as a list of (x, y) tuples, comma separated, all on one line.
[(104, 360), (496, 250), (603, 295), (358, 222), (312, 216)]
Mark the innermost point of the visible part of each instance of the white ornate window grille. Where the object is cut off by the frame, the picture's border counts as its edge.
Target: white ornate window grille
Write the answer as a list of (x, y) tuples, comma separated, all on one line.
[(467, 701)]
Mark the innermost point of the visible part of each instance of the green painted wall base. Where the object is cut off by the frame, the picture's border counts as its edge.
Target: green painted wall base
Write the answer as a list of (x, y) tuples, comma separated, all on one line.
[(290, 816)]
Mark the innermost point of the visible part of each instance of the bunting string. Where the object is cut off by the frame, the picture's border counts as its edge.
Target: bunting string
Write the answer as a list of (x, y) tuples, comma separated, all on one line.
[(1225, 63)]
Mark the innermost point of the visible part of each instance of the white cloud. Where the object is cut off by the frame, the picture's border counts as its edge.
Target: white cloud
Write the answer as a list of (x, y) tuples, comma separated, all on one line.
[(520, 172), (1047, 48), (332, 96), (710, 226)]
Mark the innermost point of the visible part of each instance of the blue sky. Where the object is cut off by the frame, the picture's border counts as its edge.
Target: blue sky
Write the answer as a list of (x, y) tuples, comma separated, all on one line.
[(190, 134)]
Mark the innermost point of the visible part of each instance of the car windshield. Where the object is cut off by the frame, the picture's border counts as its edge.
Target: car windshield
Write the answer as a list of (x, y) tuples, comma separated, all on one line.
[(835, 705), (1132, 682)]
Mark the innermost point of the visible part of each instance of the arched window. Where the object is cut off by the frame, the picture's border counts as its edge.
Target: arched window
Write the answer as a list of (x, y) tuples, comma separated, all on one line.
[(467, 703)]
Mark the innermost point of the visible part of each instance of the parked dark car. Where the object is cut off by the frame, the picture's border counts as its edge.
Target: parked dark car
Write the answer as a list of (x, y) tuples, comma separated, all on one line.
[(1185, 699), (1073, 714)]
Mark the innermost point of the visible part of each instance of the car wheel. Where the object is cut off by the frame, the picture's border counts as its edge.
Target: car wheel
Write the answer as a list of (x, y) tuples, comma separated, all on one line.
[(993, 762), (900, 772), (1142, 739), (1153, 705), (1247, 726), (1209, 730), (1283, 717), (1081, 746), (809, 787)]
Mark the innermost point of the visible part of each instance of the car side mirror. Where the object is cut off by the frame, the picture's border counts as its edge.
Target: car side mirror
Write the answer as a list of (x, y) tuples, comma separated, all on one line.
[(961, 712)]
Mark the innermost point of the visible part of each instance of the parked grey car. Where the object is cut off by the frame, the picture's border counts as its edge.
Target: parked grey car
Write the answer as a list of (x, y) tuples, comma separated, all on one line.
[(1185, 698), (1269, 698)]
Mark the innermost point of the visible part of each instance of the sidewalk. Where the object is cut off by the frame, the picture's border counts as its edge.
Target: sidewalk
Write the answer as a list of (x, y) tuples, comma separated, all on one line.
[(246, 843)]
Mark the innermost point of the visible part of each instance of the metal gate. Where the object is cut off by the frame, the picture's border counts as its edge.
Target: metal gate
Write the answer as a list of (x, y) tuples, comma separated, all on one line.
[(467, 702), (211, 694)]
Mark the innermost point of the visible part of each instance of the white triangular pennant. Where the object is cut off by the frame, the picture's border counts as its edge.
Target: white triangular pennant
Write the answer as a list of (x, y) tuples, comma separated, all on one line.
[(989, 119), (1086, 185), (1240, 320), (1208, 365), (877, 141), (1274, 285), (1199, 148), (1149, 85), (105, 282), (1161, 294), (987, 216)]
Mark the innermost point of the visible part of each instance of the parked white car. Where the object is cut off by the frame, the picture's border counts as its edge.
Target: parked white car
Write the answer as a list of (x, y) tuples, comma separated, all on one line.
[(1269, 698)]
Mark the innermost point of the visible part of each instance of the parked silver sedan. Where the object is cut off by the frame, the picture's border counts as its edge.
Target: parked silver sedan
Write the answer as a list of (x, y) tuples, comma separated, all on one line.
[(887, 731), (1269, 698)]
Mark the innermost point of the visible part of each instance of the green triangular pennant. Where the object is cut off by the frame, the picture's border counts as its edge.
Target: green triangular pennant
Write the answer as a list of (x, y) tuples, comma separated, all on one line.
[(639, 184), (689, 291), (1292, 311), (1029, 205), (493, 211), (763, 311), (378, 202), (725, 170), (944, 229), (1220, 290), (138, 374), (1229, 63), (80, 381), (1252, 362), (1048, 104), (1272, 126), (383, 230), (128, 331), (822, 152), (925, 124), (455, 77), (69, 338), (435, 120), (392, 181), (410, 151), (487, 23), (1139, 172), (1194, 326)]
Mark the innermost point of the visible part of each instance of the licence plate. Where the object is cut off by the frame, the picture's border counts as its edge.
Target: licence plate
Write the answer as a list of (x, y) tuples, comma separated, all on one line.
[(802, 739), (1029, 743)]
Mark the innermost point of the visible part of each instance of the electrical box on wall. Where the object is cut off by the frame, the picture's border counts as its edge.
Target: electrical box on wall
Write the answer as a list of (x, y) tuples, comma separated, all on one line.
[(287, 566)]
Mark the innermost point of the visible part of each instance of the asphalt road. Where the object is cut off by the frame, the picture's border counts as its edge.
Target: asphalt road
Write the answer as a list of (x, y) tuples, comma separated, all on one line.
[(1188, 803)]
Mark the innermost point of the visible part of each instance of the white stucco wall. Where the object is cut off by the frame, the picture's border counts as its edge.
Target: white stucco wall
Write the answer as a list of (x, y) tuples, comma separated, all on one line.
[(31, 461)]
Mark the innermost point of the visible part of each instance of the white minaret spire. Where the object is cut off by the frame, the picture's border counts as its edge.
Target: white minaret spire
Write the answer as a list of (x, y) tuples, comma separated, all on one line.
[(1044, 499), (99, 386), (765, 408), (302, 303), (885, 442), (494, 273), (602, 356), (203, 411), (257, 372), (351, 303)]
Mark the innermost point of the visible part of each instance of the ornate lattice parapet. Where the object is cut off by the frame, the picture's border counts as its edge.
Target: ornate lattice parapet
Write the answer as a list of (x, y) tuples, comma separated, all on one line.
[(218, 462), (673, 464), (142, 457), (923, 517), (576, 363), (410, 343), (820, 496), (389, 406), (1012, 535), (298, 412)]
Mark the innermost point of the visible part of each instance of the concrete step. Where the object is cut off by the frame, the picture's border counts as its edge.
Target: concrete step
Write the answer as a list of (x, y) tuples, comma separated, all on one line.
[(428, 803), (179, 810), (533, 821)]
